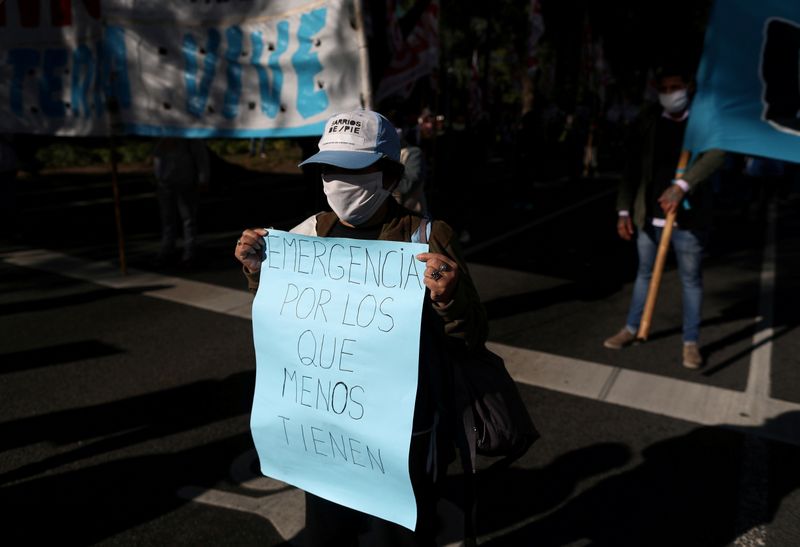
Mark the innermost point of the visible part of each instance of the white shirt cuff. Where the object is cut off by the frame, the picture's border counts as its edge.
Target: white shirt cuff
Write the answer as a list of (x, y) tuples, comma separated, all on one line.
[(623, 213), (683, 184)]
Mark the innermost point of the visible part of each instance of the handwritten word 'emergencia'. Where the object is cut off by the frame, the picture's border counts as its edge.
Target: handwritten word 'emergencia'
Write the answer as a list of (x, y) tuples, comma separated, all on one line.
[(327, 444), (347, 263)]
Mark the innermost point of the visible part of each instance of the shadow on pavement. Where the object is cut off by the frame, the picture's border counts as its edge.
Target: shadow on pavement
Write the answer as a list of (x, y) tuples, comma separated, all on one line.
[(101, 429), (55, 355), (88, 505), (535, 300), (84, 297), (689, 491)]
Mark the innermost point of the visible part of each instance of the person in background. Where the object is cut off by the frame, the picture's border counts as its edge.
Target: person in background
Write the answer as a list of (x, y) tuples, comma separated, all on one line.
[(410, 191), (181, 168), (648, 192), (261, 144), (8, 188), (359, 174)]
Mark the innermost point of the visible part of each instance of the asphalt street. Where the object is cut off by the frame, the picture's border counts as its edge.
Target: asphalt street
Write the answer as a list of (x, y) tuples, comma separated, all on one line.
[(124, 405)]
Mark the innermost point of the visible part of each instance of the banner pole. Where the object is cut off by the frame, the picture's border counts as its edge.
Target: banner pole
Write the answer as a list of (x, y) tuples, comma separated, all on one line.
[(661, 258), (114, 128), (123, 266), (363, 55)]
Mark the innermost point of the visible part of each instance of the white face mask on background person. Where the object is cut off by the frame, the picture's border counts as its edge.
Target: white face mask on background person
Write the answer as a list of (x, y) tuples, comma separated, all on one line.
[(674, 102), (355, 198)]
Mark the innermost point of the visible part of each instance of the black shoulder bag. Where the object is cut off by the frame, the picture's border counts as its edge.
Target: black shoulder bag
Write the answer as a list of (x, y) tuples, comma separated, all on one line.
[(492, 418)]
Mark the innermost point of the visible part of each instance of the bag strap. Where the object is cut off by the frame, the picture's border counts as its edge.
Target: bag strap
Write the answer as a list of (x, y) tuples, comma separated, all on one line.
[(423, 232)]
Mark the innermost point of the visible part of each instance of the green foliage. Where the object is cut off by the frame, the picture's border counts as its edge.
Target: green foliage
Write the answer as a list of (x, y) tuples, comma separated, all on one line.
[(229, 147), (79, 153), (135, 152), (235, 147), (65, 154)]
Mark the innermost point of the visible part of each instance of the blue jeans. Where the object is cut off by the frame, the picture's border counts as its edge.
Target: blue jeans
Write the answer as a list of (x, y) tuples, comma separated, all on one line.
[(688, 246)]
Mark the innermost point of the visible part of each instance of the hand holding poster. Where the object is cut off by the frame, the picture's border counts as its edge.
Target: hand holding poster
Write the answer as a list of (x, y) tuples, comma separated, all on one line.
[(336, 325)]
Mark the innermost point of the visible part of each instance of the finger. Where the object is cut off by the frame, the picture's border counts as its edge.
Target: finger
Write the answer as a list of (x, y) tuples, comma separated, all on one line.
[(434, 289), (438, 274), (252, 234), (253, 241), (430, 283), (434, 275), (436, 257)]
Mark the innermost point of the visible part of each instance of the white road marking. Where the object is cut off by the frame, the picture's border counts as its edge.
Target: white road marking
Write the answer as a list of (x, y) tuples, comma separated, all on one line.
[(675, 398), (174, 289), (689, 401), (752, 512), (284, 509), (89, 202), (759, 378), (754, 486), (284, 505)]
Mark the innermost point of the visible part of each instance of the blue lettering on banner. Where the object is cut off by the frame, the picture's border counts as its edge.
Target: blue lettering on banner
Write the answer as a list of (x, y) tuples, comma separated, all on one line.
[(79, 80), (51, 83), (234, 72), (114, 63), (106, 74), (23, 60), (270, 91), (310, 101), (98, 89), (83, 68), (196, 98)]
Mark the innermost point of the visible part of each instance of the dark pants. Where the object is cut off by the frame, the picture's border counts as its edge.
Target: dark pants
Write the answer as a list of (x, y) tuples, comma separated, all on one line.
[(178, 199), (330, 524), (8, 203)]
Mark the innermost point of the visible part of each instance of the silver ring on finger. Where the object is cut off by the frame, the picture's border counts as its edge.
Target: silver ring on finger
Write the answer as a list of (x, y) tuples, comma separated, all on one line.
[(444, 267), (436, 276)]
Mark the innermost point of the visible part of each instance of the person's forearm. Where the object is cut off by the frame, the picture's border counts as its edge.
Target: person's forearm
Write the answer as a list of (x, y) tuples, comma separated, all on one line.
[(705, 166)]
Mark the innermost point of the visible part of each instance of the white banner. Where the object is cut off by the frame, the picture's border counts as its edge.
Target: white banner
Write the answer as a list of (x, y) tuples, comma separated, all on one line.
[(192, 68)]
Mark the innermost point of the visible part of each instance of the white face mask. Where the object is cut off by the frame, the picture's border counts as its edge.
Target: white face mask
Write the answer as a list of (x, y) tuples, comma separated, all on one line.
[(674, 102), (355, 198)]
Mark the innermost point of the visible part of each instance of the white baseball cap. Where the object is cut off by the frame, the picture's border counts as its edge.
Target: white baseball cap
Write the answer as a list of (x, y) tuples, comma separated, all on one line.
[(357, 139)]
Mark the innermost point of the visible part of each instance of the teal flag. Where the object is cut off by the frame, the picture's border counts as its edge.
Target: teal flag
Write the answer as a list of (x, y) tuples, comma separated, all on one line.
[(748, 82), (336, 326)]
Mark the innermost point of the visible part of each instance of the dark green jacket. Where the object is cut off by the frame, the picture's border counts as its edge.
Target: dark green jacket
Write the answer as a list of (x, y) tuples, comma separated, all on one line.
[(638, 175)]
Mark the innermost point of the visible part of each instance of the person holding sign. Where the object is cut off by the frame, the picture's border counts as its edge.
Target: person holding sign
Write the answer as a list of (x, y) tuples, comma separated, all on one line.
[(648, 192), (359, 164)]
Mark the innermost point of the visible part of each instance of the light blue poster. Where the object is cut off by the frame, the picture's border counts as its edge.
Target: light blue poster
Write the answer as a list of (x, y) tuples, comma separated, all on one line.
[(748, 83), (336, 324)]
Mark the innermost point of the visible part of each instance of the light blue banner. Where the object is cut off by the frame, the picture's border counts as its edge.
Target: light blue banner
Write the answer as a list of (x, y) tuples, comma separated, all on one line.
[(279, 68), (336, 325), (748, 87)]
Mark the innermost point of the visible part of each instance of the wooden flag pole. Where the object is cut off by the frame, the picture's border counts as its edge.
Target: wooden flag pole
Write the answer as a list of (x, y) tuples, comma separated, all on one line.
[(114, 128), (123, 266), (661, 258), (363, 55)]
